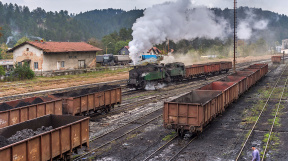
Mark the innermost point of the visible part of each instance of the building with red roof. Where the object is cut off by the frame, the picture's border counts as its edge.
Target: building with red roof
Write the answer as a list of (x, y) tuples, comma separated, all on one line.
[(154, 51), (51, 56)]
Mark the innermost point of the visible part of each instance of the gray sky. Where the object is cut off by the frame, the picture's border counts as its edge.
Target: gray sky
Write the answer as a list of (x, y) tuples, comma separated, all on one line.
[(76, 6)]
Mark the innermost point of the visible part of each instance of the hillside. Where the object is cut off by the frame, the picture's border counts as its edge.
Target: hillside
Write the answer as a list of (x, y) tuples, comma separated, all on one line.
[(18, 21)]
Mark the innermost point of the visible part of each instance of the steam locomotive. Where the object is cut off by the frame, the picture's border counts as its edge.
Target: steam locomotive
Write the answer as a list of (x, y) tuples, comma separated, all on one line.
[(172, 72)]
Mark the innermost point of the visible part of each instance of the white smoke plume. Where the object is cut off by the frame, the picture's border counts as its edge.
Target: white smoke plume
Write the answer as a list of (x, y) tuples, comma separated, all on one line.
[(8, 39), (174, 21), (249, 24), (178, 57)]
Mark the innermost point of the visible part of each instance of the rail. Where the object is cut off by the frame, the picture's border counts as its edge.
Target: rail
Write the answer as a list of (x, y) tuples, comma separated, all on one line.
[(174, 156), (174, 137), (109, 142), (274, 87), (274, 119)]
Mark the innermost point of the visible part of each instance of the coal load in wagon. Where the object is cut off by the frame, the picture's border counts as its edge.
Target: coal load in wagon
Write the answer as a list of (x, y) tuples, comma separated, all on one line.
[(22, 104), (3, 141), (37, 101), (5, 106), (85, 91), (27, 133)]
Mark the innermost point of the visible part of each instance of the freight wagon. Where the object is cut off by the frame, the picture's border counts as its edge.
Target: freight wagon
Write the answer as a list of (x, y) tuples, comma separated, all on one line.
[(101, 98), (195, 70), (192, 111), (276, 59), (17, 111), (230, 90), (242, 82), (64, 135), (225, 66)]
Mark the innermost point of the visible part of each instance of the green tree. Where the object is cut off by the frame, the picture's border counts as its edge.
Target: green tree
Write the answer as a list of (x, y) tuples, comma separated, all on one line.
[(3, 52), (22, 72), (2, 71), (1, 32), (98, 44), (119, 45), (22, 40)]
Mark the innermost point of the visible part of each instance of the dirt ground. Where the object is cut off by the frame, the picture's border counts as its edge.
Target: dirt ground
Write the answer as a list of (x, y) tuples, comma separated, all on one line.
[(43, 83)]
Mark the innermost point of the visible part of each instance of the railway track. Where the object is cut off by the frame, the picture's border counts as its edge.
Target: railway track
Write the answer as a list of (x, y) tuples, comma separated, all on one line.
[(168, 144), (119, 136), (172, 91), (141, 98), (58, 90), (269, 101), (162, 95)]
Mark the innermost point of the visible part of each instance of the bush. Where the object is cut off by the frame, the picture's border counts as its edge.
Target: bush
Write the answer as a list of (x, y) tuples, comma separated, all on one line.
[(2, 71), (22, 72)]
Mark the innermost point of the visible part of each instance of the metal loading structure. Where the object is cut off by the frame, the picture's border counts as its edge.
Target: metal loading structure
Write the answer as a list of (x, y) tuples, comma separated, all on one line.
[(235, 35)]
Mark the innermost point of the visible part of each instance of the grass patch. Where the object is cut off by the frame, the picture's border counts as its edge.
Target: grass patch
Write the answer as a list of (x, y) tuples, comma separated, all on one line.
[(274, 141), (277, 124), (131, 136), (264, 92), (169, 137)]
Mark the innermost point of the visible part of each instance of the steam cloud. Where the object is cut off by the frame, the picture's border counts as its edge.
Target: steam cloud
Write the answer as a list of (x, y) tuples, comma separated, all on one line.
[(174, 21), (249, 24)]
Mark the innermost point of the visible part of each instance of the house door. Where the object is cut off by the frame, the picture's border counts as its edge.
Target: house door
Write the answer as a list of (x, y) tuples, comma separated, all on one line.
[(81, 64), (58, 65)]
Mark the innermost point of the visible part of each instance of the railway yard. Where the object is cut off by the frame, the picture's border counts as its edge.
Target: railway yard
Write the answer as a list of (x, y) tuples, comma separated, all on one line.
[(133, 130)]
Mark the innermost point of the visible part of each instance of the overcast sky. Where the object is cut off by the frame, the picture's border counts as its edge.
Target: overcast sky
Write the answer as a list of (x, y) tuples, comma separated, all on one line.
[(76, 6)]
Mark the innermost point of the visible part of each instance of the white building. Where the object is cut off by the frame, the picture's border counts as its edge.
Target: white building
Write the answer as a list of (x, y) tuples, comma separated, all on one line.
[(284, 46), (51, 56)]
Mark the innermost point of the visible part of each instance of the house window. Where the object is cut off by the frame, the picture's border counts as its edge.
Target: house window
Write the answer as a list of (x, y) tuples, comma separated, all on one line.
[(70, 57), (75, 56), (20, 63), (81, 63), (35, 65), (27, 49), (62, 64)]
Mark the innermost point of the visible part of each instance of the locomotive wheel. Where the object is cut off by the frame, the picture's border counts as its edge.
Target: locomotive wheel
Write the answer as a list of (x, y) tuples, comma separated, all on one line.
[(143, 85)]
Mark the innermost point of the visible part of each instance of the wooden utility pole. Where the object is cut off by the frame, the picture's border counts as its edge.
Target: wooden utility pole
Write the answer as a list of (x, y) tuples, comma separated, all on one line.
[(235, 35)]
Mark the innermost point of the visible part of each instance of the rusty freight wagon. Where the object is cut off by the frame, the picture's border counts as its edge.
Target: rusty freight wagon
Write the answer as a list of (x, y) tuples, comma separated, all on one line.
[(90, 99), (212, 68), (249, 77), (255, 74), (192, 111), (17, 111), (263, 68), (241, 80), (230, 90), (276, 59), (61, 137), (225, 66), (194, 71)]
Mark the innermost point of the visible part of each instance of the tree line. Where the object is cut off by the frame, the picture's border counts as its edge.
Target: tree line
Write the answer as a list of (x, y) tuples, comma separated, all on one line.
[(111, 28)]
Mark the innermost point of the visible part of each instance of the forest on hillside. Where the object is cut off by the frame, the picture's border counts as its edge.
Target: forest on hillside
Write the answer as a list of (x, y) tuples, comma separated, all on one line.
[(112, 27)]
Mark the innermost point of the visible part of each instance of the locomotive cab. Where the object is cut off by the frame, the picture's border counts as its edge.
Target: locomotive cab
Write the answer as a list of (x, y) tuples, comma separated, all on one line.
[(141, 75), (176, 71)]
